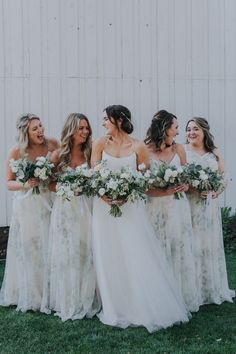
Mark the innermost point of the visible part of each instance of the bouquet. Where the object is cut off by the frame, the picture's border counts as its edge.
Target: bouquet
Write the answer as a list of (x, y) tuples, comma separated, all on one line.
[(74, 182), (126, 185), (166, 176), (205, 179), (25, 169)]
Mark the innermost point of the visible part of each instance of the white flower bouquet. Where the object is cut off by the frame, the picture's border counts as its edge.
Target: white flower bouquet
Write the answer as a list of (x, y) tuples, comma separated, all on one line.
[(124, 185), (205, 179), (165, 176), (25, 169), (74, 182)]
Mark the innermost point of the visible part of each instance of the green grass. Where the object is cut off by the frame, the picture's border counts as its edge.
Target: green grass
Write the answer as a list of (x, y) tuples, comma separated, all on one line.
[(211, 330)]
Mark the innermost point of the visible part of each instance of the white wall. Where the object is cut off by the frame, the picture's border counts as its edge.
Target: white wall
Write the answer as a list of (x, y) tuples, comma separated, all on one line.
[(60, 56)]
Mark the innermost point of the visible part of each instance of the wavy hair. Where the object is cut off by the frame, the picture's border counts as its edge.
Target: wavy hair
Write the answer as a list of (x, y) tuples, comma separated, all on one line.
[(208, 138), (69, 129), (118, 112), (156, 133), (22, 126)]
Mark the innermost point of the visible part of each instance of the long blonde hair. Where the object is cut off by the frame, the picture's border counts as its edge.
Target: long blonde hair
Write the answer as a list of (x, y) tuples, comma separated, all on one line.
[(69, 129), (22, 126)]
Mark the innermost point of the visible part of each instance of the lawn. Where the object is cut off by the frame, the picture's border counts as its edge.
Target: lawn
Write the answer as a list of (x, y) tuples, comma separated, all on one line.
[(211, 330)]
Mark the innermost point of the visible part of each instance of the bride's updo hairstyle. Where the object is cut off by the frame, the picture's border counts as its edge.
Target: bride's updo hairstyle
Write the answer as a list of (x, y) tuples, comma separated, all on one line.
[(156, 133), (22, 126), (208, 139), (119, 112)]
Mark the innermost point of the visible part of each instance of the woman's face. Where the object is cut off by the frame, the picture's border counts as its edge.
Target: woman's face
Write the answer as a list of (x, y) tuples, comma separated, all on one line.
[(173, 130), (36, 132), (194, 134), (109, 124), (82, 132)]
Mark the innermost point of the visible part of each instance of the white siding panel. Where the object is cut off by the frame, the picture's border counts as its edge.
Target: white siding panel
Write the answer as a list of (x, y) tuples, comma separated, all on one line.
[(62, 56)]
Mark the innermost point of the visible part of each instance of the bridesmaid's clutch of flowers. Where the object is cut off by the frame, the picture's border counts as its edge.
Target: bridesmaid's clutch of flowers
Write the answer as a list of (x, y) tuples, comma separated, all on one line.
[(74, 182), (205, 179), (165, 176), (25, 169)]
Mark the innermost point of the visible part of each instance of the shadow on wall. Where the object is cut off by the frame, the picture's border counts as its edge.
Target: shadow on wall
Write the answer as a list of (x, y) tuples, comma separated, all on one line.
[(3, 241)]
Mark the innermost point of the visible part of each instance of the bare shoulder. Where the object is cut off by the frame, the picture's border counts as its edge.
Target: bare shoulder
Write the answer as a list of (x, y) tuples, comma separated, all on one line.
[(52, 144), (179, 148), (180, 151), (139, 146), (217, 154), (55, 157), (14, 153), (100, 142)]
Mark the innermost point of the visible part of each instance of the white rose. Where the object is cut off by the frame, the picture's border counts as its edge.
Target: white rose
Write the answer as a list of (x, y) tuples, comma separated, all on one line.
[(88, 173), (37, 172), (40, 161), (141, 167), (147, 174), (174, 173), (112, 185), (195, 183), (101, 191), (203, 176), (168, 174)]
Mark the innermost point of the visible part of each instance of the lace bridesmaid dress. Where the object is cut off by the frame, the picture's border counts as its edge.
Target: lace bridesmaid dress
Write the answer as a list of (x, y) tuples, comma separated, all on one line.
[(208, 241), (171, 220), (69, 288), (134, 279), (26, 251)]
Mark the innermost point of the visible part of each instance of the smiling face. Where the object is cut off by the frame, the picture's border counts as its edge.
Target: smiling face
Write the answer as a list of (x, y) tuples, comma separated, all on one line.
[(36, 132), (109, 124), (194, 134), (172, 131), (82, 132)]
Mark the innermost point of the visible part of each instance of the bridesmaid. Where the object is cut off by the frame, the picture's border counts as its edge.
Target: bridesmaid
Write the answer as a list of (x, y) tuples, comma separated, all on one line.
[(171, 218), (23, 279), (206, 218), (70, 287)]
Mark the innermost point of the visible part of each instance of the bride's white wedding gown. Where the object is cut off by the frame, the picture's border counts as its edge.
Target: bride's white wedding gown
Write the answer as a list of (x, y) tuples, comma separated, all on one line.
[(134, 278)]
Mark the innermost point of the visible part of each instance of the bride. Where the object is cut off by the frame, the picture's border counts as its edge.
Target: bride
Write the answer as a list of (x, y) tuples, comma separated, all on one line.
[(134, 279)]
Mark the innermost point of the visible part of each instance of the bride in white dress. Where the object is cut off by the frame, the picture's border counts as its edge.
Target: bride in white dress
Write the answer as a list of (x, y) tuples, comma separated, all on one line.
[(70, 277), (171, 218), (135, 283), (206, 218), (28, 236)]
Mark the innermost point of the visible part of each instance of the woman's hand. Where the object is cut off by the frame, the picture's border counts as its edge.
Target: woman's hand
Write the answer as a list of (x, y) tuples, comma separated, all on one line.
[(111, 202), (212, 194), (31, 183)]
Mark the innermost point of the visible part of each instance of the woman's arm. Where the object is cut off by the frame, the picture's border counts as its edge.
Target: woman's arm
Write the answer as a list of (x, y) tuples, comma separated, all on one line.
[(182, 154), (55, 160), (12, 184), (142, 154), (97, 149)]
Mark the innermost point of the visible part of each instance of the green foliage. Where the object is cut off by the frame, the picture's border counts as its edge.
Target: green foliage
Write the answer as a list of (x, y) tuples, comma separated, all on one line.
[(229, 227), (212, 330)]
